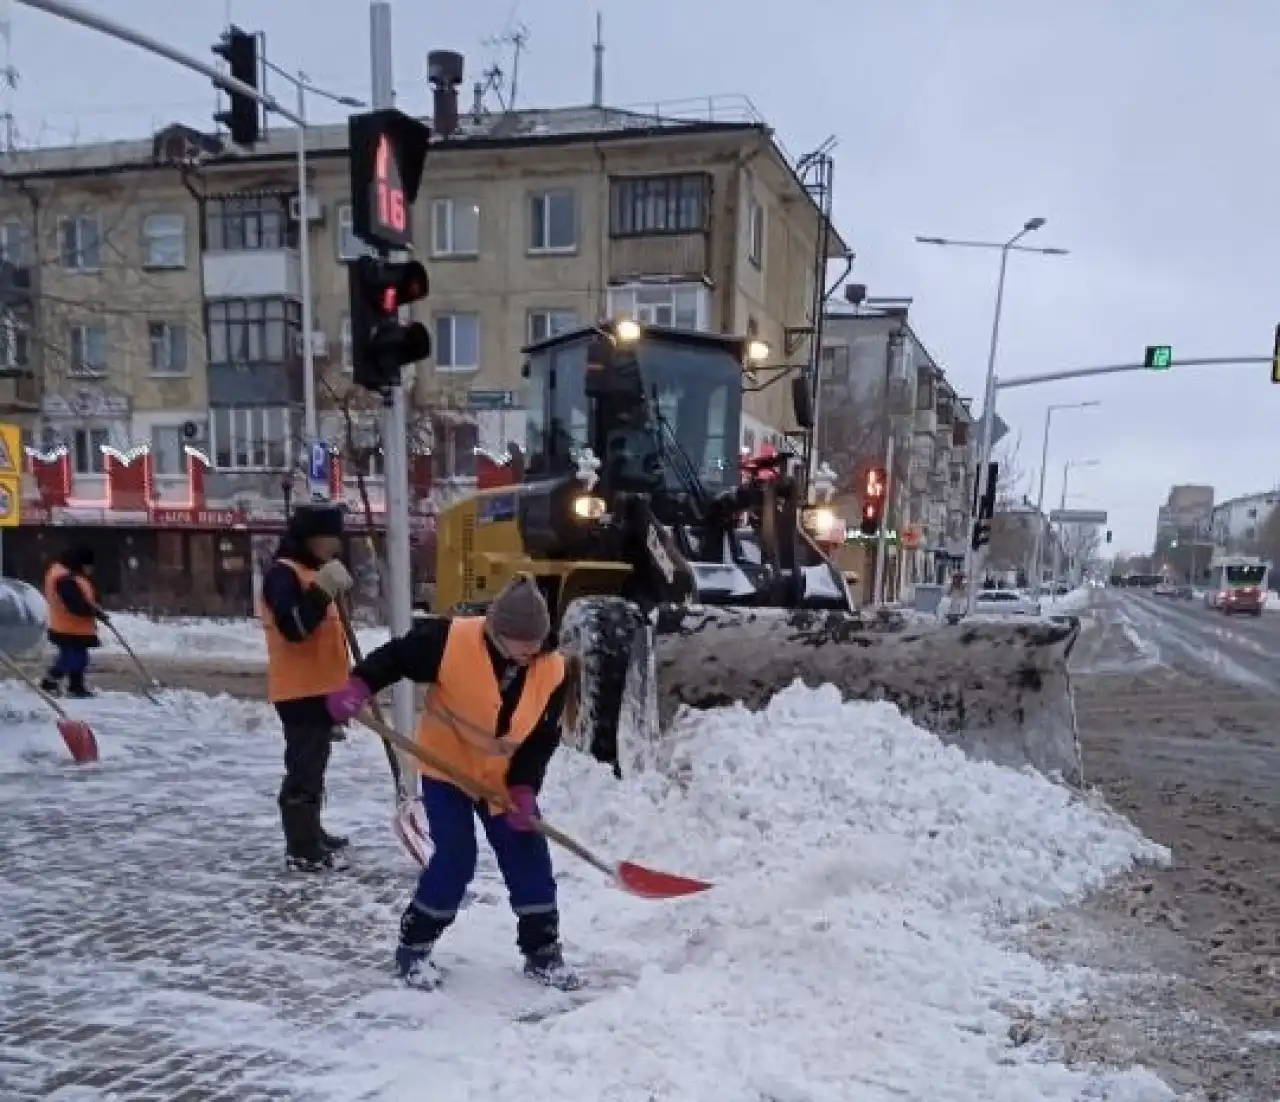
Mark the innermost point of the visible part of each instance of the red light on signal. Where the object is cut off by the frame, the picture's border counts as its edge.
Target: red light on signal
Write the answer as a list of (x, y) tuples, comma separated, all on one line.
[(875, 482), (390, 301)]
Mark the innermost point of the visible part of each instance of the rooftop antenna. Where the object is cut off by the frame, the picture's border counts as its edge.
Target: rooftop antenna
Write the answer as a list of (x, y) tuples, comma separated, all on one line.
[(517, 37), (597, 84)]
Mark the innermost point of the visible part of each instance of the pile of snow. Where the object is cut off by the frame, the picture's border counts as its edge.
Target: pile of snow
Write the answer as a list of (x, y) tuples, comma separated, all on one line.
[(194, 638), (857, 944), (1076, 600)]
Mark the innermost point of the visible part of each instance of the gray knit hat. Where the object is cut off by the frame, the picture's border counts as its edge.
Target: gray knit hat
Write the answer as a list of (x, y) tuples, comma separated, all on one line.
[(519, 612)]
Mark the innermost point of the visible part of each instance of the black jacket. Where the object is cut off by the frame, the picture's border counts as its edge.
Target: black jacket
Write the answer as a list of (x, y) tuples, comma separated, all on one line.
[(417, 657), (297, 611)]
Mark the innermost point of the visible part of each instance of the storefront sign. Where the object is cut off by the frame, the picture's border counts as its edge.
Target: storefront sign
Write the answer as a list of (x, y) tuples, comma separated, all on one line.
[(10, 476), (195, 518)]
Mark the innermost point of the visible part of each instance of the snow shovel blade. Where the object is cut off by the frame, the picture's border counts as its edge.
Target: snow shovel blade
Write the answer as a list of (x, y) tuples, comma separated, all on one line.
[(410, 832), (653, 884), (80, 740)]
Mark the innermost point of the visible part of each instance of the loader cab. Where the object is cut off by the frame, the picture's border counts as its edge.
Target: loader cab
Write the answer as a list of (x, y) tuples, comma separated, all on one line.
[(655, 406)]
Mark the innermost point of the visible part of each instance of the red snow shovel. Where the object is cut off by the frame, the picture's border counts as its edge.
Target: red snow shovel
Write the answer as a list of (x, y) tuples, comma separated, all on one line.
[(77, 734), (637, 879)]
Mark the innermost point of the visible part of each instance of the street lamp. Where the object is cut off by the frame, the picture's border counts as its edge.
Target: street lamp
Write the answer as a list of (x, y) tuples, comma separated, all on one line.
[(1044, 467), (302, 85), (1062, 505), (989, 395)]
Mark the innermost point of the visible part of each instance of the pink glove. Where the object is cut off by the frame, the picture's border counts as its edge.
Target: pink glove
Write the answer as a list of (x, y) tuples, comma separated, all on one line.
[(348, 701), (524, 808)]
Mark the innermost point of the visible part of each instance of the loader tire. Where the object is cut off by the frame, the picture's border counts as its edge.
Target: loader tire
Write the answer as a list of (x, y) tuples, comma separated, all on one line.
[(598, 635)]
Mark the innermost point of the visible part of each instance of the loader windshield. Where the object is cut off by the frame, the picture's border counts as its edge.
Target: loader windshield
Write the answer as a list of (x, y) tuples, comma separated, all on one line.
[(695, 389)]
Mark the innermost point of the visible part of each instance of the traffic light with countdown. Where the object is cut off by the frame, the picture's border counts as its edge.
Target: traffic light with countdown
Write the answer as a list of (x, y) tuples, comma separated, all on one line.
[(382, 344), (873, 498)]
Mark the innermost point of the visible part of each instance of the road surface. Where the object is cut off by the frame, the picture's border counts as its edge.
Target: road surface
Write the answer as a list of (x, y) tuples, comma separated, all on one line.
[(1179, 711)]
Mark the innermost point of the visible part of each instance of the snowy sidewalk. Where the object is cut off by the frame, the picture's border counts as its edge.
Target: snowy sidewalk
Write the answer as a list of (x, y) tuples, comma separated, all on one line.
[(152, 947)]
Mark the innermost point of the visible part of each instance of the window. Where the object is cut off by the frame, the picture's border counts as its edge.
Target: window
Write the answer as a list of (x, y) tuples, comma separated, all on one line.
[(12, 243), (87, 349), (457, 342), (168, 347), (675, 305), (167, 456), (86, 450), (350, 247), (455, 227), (253, 331), (553, 222), (755, 233), (658, 204), (250, 439), (81, 243), (249, 222), (550, 323), (164, 241), (14, 347)]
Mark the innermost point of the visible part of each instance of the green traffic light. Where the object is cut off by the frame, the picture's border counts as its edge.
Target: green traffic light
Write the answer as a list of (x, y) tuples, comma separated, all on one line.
[(1159, 357)]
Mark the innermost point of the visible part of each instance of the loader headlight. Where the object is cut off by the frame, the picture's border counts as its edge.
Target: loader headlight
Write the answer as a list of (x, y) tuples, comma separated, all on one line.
[(821, 521), (627, 331), (588, 507)]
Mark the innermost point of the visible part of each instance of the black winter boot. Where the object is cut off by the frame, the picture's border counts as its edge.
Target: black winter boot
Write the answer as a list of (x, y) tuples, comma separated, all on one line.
[(77, 688), (538, 937), (51, 684), (419, 933), (305, 850)]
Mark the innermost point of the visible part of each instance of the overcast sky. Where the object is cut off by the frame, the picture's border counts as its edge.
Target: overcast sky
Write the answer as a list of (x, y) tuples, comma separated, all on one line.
[(1144, 132)]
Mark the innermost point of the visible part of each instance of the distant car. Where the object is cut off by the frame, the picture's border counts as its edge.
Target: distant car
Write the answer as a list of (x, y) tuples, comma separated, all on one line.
[(1184, 592), (1165, 589), (1005, 602)]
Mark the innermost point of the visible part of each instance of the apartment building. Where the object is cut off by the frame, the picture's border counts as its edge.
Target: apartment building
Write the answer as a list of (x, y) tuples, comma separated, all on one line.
[(153, 290), (1238, 523), (880, 386)]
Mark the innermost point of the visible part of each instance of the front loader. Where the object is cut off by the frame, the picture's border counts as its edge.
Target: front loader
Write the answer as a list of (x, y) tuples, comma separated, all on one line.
[(677, 579)]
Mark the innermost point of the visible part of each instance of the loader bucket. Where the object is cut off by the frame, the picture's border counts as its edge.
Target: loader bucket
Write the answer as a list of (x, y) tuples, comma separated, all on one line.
[(24, 618), (997, 689)]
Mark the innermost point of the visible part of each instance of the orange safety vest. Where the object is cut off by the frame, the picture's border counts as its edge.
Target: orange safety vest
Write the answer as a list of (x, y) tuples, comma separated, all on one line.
[(466, 694), (320, 664), (61, 621)]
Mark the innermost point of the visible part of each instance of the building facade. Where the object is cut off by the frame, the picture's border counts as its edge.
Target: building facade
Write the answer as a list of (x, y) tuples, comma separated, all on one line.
[(154, 296), (1239, 523), (885, 402)]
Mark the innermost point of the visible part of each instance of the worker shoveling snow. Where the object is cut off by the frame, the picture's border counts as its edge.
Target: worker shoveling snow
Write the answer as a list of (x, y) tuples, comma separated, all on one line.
[(856, 946)]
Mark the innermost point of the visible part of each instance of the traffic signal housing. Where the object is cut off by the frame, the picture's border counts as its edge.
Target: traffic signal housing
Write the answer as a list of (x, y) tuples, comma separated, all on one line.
[(1158, 357), (1275, 358), (986, 510), (873, 498), (381, 344), (243, 120)]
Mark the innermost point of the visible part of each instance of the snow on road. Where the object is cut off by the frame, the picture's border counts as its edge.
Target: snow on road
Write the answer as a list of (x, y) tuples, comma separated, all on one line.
[(195, 638), (857, 945)]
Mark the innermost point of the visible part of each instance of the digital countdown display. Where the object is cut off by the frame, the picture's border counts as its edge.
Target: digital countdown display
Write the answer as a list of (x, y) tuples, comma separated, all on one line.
[(388, 150)]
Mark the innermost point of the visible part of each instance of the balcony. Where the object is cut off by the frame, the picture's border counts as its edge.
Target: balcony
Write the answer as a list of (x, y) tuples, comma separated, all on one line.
[(255, 384), (926, 422), (676, 257), (252, 273)]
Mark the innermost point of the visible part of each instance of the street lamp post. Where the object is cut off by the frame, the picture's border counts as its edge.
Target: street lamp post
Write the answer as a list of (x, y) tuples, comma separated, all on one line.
[(1044, 467), (989, 391), (1057, 546), (302, 85)]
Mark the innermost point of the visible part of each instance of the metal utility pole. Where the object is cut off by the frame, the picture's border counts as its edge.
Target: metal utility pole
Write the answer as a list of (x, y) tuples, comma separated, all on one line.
[(989, 390), (893, 358), (1044, 466), (395, 444), (1062, 507)]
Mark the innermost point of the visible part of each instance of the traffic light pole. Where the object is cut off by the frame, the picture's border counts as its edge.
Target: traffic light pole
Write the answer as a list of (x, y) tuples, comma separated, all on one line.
[(1117, 369), (395, 445), (100, 23)]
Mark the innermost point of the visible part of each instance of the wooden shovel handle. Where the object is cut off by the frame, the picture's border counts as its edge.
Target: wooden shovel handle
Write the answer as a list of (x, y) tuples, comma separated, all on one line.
[(31, 684)]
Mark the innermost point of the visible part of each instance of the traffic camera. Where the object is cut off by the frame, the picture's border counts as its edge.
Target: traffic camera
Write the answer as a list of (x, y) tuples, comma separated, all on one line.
[(243, 120), (873, 498), (381, 343)]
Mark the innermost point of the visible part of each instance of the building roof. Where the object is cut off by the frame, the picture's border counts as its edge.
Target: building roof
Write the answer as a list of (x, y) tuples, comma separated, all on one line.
[(487, 130)]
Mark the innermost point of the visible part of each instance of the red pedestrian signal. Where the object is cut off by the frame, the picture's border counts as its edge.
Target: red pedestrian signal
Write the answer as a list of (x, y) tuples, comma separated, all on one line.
[(388, 150), (874, 492)]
